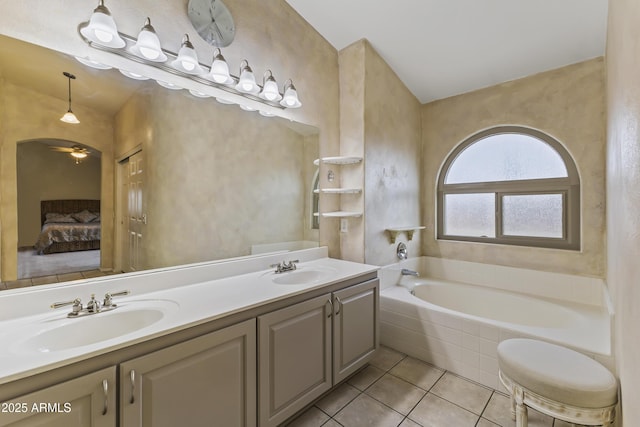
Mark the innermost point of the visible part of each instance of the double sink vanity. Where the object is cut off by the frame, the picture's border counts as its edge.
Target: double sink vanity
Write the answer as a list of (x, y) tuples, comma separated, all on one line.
[(245, 342)]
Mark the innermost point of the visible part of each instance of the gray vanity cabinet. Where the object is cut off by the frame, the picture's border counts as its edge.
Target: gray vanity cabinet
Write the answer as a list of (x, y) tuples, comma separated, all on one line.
[(355, 328), (209, 380), (88, 400), (295, 358), (306, 348)]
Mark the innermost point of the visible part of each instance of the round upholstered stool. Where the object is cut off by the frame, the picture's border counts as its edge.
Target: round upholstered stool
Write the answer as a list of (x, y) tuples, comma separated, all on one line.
[(556, 381)]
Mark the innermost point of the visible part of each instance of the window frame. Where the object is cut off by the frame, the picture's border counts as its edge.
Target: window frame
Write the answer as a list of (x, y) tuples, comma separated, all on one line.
[(569, 187)]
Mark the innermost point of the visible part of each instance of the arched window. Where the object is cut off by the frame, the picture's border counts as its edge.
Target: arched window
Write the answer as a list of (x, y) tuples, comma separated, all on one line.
[(510, 185)]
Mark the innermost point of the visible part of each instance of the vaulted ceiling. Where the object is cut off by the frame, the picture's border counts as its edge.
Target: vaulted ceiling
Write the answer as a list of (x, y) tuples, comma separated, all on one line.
[(441, 48)]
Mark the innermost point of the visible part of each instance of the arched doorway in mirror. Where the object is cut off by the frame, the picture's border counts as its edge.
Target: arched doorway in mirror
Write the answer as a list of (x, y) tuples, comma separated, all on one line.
[(58, 210)]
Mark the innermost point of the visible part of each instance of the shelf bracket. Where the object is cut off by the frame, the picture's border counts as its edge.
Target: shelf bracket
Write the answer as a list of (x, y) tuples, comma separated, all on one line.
[(393, 232)]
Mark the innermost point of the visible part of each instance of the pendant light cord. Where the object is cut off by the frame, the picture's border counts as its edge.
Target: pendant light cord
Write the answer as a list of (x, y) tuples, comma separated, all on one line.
[(69, 76)]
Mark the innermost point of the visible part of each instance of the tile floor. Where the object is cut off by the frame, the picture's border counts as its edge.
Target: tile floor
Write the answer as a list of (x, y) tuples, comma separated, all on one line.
[(397, 390)]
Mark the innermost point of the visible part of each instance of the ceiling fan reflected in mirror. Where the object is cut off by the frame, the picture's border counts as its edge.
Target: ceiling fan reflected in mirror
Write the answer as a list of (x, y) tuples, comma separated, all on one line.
[(77, 152)]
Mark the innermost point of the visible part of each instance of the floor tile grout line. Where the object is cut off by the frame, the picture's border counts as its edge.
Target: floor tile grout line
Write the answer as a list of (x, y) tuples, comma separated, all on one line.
[(485, 408), (462, 407)]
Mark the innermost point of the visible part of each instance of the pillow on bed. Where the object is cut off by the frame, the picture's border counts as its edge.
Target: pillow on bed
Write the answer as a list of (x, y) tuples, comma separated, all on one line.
[(58, 217), (84, 216), (97, 218)]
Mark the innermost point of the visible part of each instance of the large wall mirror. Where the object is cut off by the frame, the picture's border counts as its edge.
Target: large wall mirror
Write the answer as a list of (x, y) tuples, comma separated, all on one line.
[(182, 178)]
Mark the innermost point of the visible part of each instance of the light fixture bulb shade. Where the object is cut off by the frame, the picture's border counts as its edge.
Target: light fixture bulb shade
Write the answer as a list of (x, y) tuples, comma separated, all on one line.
[(247, 81), (269, 88), (69, 117), (169, 85), (102, 28), (219, 72), (148, 44), (199, 94), (187, 60), (93, 64), (290, 98), (78, 154), (133, 75)]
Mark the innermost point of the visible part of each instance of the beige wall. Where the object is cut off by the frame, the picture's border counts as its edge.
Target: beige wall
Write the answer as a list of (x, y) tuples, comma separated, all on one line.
[(568, 104), (352, 143), (21, 121), (215, 188), (380, 120), (392, 161), (44, 174), (623, 195)]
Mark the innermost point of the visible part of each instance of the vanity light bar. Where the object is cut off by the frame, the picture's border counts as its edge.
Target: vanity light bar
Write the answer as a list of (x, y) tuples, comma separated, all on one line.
[(186, 65)]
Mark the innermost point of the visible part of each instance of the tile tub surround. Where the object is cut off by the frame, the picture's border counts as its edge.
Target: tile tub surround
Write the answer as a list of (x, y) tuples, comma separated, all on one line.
[(466, 344), (204, 293), (398, 390)]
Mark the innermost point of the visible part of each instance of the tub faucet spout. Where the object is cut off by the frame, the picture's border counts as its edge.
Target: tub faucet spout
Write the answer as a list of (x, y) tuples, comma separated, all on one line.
[(407, 272)]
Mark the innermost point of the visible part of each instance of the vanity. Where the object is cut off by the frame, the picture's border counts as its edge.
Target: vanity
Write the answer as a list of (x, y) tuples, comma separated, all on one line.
[(231, 341)]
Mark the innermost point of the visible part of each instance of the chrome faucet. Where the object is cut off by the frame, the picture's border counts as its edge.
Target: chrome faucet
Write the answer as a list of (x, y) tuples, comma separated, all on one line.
[(407, 272), (93, 306), (283, 266)]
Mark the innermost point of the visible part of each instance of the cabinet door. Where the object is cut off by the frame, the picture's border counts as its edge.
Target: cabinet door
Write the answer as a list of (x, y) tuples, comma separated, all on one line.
[(89, 400), (295, 358), (209, 380), (355, 328)]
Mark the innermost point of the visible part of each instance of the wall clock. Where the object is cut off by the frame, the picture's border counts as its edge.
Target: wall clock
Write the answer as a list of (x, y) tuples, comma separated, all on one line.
[(213, 21)]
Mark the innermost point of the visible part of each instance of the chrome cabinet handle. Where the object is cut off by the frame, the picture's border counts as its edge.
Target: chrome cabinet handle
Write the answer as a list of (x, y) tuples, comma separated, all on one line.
[(330, 307), (338, 305), (132, 376), (105, 389)]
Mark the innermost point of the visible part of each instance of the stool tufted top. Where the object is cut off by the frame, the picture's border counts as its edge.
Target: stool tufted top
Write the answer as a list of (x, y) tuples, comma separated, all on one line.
[(558, 373)]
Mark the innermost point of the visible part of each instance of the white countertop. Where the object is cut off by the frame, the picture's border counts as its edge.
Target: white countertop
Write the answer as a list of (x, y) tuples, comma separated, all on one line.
[(235, 285)]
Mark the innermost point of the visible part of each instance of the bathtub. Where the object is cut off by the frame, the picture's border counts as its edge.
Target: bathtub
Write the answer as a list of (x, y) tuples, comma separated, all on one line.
[(456, 319)]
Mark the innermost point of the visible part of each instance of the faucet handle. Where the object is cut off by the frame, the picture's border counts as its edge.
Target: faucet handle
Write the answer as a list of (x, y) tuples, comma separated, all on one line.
[(77, 305), (108, 298), (65, 303), (292, 264)]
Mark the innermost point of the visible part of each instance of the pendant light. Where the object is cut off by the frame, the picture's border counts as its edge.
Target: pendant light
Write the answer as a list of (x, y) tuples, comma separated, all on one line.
[(102, 28), (69, 117), (148, 45), (187, 60)]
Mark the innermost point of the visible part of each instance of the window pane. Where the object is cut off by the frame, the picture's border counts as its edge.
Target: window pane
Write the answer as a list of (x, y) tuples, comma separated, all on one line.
[(538, 215), (506, 157), (469, 215)]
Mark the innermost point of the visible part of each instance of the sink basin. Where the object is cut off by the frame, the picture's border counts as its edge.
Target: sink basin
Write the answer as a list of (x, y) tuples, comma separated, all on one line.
[(302, 276), (70, 333)]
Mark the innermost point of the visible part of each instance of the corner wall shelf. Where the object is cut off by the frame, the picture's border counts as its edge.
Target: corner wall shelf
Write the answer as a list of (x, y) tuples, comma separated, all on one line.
[(393, 232), (339, 160), (341, 214)]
